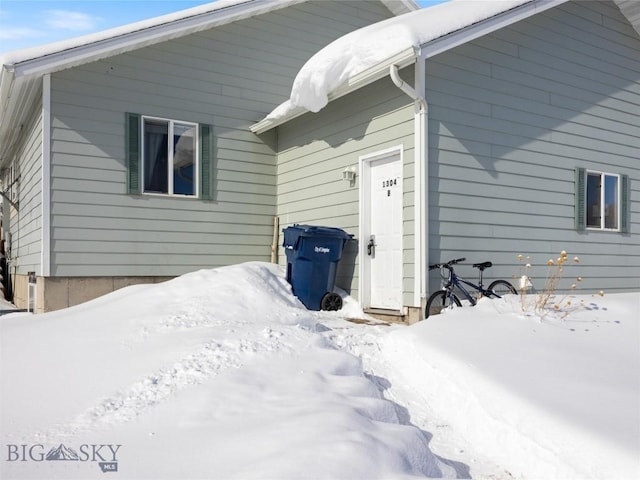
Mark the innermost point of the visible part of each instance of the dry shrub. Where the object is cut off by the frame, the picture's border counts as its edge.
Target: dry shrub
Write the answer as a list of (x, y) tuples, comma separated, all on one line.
[(548, 299)]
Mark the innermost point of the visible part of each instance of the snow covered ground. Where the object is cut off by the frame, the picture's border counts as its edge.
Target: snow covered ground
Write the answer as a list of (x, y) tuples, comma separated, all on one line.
[(224, 374)]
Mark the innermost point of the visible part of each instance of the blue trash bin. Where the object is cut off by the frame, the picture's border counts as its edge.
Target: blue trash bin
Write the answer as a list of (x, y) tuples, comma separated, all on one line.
[(313, 254)]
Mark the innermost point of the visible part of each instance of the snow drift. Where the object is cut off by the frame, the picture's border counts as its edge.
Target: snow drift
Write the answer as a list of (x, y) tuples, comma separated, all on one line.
[(216, 374), (224, 374)]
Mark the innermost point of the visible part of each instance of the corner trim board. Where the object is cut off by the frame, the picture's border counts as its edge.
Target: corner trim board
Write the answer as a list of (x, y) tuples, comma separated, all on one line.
[(45, 247)]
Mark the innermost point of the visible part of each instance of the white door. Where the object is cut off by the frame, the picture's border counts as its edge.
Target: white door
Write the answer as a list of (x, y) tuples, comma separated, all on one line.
[(382, 230)]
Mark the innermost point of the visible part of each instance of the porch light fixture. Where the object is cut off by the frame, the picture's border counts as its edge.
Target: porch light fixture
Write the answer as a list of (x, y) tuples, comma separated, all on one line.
[(349, 174)]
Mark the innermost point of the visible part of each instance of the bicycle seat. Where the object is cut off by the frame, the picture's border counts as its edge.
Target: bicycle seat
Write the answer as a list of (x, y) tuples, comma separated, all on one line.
[(482, 265)]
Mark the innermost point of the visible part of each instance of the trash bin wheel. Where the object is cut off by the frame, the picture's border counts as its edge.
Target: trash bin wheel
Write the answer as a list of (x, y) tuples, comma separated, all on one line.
[(331, 302)]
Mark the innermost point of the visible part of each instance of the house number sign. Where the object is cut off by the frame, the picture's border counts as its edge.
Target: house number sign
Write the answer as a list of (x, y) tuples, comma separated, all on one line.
[(392, 182)]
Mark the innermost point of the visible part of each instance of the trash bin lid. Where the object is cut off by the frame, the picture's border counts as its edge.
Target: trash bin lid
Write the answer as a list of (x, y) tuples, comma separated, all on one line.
[(293, 234), (318, 231)]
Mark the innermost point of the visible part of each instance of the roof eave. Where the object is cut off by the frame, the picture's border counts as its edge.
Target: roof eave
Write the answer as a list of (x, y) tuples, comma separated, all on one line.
[(470, 33), (129, 41), (426, 50), (7, 84), (631, 10), (18, 102), (23, 73), (370, 75)]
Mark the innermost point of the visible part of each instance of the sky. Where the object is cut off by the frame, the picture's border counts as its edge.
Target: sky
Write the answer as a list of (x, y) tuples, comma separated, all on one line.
[(30, 23)]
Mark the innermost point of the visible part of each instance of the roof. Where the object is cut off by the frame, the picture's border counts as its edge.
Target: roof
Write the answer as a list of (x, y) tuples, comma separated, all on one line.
[(22, 70), (365, 55)]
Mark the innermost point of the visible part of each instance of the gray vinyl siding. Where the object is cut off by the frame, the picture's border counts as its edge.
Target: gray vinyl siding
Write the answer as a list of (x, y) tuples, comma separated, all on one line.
[(26, 222), (511, 116), (228, 77), (316, 148)]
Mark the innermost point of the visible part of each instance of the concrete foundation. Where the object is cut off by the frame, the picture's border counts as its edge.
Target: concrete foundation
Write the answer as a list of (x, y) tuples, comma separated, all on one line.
[(414, 315), (408, 316), (55, 293)]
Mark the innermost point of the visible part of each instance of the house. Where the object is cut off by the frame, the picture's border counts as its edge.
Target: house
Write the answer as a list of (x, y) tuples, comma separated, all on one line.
[(482, 130), (492, 130), (127, 156)]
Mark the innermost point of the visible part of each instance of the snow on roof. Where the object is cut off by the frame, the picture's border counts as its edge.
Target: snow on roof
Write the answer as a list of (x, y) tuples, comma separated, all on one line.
[(21, 70), (250, 7), (76, 51), (19, 56), (362, 49)]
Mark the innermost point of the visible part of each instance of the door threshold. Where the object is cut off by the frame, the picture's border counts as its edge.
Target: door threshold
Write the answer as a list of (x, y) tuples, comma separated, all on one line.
[(386, 315), (384, 311)]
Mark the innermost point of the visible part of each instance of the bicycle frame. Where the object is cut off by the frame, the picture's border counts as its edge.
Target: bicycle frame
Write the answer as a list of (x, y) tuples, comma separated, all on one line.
[(447, 296), (456, 282)]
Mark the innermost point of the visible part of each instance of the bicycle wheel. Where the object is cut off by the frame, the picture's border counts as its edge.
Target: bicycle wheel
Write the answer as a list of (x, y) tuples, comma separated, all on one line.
[(438, 301), (500, 288)]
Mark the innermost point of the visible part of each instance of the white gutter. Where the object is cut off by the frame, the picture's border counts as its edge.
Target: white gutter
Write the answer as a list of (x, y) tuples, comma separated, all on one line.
[(376, 72), (421, 172)]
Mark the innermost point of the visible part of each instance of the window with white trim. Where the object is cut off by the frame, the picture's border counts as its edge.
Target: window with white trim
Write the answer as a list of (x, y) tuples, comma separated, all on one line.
[(602, 201), (170, 160), (168, 157)]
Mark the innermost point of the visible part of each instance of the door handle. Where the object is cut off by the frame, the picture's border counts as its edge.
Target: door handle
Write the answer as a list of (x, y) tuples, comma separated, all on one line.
[(371, 246)]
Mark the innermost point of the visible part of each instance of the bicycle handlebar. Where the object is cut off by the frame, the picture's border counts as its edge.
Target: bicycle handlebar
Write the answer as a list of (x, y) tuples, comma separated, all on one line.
[(447, 264)]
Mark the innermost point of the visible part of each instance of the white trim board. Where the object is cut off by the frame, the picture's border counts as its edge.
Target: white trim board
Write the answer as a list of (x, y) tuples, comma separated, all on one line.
[(45, 230)]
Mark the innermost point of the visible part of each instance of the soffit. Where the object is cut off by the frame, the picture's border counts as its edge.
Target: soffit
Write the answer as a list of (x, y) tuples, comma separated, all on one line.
[(631, 10)]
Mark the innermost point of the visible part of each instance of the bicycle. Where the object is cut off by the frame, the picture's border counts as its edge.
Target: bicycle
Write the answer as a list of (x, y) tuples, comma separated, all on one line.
[(446, 298)]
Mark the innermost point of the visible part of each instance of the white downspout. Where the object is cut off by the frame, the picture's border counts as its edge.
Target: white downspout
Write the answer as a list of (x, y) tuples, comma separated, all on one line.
[(402, 85), (421, 165)]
